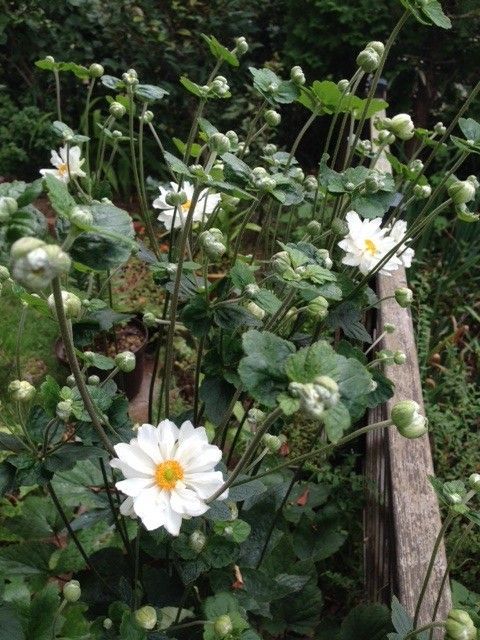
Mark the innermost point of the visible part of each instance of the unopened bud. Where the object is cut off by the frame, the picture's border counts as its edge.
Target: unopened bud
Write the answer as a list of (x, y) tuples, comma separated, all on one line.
[(273, 443), (212, 243), (96, 70), (388, 327), (146, 617), (8, 206), (21, 390), (107, 624), (72, 304), (149, 319), (81, 217), (440, 129), (422, 191), (377, 46), (310, 184), (368, 60), (343, 85), (399, 357), (219, 142), (223, 626), (318, 307), (401, 126), (461, 191), (269, 149), (459, 626), (176, 198), (474, 481), (117, 110), (241, 46), (408, 420), (272, 118), (297, 76), (93, 381), (64, 410), (197, 541), (255, 310), (404, 296), (125, 361), (148, 117), (72, 591)]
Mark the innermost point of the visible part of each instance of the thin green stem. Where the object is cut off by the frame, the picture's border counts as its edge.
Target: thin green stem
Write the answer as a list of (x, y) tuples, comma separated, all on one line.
[(415, 632), (18, 342), (58, 95)]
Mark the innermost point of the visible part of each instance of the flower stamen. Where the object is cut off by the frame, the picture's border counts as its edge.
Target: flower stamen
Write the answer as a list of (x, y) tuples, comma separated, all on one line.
[(168, 473), (370, 247)]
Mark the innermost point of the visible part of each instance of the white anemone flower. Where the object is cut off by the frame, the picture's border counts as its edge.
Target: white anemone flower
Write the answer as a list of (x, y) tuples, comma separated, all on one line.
[(67, 163), (206, 203), (399, 232), (169, 474), (366, 244)]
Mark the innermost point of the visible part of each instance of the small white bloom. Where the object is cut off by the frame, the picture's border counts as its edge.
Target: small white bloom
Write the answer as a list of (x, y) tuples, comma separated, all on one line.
[(399, 232), (169, 474), (366, 244), (67, 163), (205, 205)]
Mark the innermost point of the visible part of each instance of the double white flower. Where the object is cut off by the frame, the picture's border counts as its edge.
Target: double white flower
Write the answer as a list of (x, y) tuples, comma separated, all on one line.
[(367, 244), (67, 162), (205, 205), (169, 474)]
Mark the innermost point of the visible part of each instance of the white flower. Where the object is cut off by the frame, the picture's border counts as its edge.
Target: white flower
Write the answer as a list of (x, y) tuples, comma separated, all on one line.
[(399, 232), (67, 163), (366, 244), (169, 474), (206, 203)]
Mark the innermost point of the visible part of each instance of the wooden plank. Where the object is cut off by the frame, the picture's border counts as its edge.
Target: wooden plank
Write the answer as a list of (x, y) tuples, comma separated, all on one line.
[(402, 516)]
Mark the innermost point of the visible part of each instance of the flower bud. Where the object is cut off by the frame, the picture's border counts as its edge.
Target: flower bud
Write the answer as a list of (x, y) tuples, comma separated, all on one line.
[(459, 626), (64, 410), (21, 390), (81, 217), (422, 191), (416, 165), (461, 191), (296, 173), (364, 147), (255, 310), (310, 184), (252, 290), (130, 77), (399, 357), (273, 443), (373, 183), (125, 361), (409, 422), (343, 85), (212, 243), (241, 45), (107, 624), (388, 327), (272, 118), (117, 110), (377, 46), (314, 228), (385, 137), (50, 59), (219, 142), (93, 381), (71, 380), (219, 86), (368, 60), (404, 296), (297, 76), (233, 138), (223, 626), (4, 274), (72, 304), (401, 126), (146, 617), (96, 70), (176, 198), (58, 260), (440, 129), (269, 149), (149, 319), (8, 206), (255, 416), (474, 482), (339, 227), (318, 307), (197, 541), (72, 591), (22, 247)]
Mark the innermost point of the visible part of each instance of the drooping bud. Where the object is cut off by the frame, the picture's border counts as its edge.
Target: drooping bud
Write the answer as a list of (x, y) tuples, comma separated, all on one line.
[(117, 110), (368, 60), (241, 46), (272, 118), (408, 420), (459, 626), (72, 591), (149, 319), (385, 137), (219, 86), (21, 390), (310, 184), (404, 296), (373, 183), (130, 77), (297, 76), (72, 304), (148, 117), (146, 617), (125, 361), (401, 126), (343, 85), (377, 46), (461, 191), (197, 541), (96, 70), (8, 206), (273, 443), (223, 626)]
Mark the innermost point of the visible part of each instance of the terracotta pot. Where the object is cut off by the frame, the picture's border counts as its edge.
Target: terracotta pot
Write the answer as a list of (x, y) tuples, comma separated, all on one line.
[(131, 382)]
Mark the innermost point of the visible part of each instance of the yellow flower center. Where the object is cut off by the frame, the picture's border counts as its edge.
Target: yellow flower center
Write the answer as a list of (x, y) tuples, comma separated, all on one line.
[(186, 206), (63, 169), (371, 247), (168, 473)]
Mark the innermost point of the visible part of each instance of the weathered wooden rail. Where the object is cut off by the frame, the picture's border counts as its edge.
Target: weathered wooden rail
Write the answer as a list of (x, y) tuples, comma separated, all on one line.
[(402, 515)]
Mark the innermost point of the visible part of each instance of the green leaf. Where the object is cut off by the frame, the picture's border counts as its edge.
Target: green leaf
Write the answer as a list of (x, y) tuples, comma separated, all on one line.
[(11, 622), (78, 70), (193, 87), (241, 275), (175, 164), (150, 92), (470, 129), (373, 205), (337, 421), (129, 629), (236, 530), (98, 360), (28, 221), (25, 558), (308, 363), (366, 622), (69, 454), (262, 371), (434, 12), (216, 393), (220, 52), (59, 196), (42, 614), (319, 539), (32, 192), (347, 318), (239, 168)]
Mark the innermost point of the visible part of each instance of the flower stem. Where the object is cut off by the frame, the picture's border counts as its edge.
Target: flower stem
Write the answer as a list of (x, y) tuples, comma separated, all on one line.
[(57, 94), (74, 366), (18, 343), (415, 632)]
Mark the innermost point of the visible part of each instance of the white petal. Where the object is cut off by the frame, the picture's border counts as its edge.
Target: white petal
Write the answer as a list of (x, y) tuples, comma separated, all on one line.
[(127, 470), (126, 508), (173, 521), (134, 486), (186, 502), (167, 434), (135, 457), (204, 483), (147, 438)]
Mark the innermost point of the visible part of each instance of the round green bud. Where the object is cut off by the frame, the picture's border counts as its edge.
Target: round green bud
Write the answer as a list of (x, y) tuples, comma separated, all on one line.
[(318, 307), (197, 541), (459, 626), (297, 76), (297, 174), (474, 481), (81, 217), (343, 85), (272, 118), (377, 46), (176, 198), (233, 137), (385, 137), (269, 149), (4, 274), (22, 247), (310, 184), (422, 191), (440, 129), (416, 165), (58, 260), (223, 626), (50, 59), (339, 227), (96, 70), (130, 77), (146, 617), (125, 361), (71, 380), (241, 46), (64, 410), (8, 206), (93, 380), (117, 134), (474, 181), (314, 228), (149, 319), (399, 357), (404, 296), (107, 624), (409, 422), (368, 60), (72, 591), (148, 117), (117, 110), (219, 143), (388, 327), (373, 183), (401, 126), (461, 191), (254, 416), (273, 443), (21, 390), (255, 310), (72, 304), (212, 243)]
